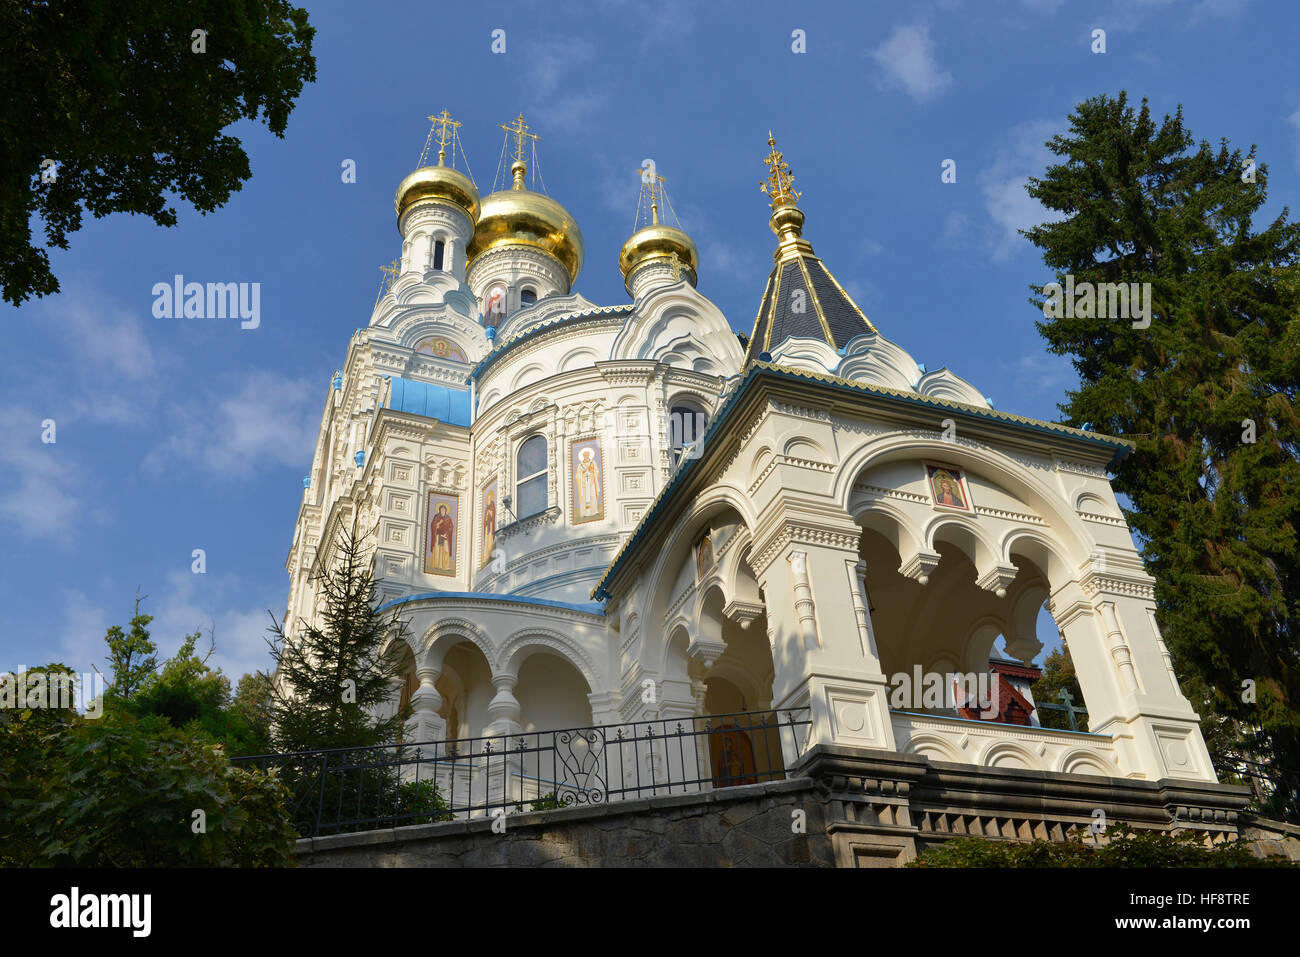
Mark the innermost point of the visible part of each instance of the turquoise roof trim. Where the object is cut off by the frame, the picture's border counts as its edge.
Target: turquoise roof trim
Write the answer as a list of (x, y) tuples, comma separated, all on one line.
[(431, 401), (587, 607)]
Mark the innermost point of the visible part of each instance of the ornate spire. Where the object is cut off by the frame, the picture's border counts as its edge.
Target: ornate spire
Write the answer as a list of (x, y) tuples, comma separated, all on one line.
[(780, 179), (787, 218), (802, 298), (521, 131), (657, 240), (444, 129)]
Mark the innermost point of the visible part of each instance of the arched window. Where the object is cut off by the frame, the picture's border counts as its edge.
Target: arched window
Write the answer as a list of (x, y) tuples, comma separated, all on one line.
[(527, 296), (438, 249), (530, 477), (686, 425)]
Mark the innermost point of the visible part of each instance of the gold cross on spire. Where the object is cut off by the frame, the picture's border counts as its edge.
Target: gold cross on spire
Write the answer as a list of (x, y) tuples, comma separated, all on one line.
[(446, 129), (780, 179), (521, 131), (653, 185)]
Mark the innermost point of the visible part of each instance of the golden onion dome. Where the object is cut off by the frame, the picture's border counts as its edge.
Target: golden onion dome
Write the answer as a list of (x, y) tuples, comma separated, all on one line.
[(520, 217), (439, 183), (658, 241)]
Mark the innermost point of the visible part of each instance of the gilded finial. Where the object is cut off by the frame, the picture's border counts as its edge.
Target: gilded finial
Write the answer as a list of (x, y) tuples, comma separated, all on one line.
[(521, 131), (652, 189), (780, 180), (446, 128), (386, 281)]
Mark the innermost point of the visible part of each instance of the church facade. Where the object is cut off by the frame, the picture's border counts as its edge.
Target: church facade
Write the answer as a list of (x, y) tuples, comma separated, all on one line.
[(592, 514)]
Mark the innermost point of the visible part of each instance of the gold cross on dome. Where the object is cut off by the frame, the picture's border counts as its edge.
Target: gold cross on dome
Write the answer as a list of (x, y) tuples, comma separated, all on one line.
[(446, 129), (653, 185), (521, 131)]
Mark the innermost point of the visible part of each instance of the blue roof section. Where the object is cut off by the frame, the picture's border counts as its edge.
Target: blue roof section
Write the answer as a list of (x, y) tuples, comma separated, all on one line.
[(587, 607), (432, 401)]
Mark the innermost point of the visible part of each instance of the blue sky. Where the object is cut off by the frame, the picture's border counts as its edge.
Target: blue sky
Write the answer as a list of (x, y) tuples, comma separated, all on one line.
[(182, 434)]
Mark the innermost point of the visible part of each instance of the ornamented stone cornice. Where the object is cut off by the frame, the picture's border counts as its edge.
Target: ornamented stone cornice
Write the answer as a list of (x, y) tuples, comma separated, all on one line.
[(1009, 515), (1103, 519), (1095, 584), (792, 533)]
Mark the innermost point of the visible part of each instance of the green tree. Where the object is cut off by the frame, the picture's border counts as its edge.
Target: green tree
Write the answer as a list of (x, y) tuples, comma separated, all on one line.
[(1206, 392), (121, 791), (331, 678), (252, 704), (130, 107), (1058, 676), (131, 655)]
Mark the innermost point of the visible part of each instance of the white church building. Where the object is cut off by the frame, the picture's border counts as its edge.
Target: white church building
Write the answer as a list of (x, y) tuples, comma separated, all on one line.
[(594, 515)]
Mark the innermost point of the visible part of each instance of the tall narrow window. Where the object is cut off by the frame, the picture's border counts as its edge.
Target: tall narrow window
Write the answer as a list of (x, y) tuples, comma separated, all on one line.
[(439, 248), (530, 477), (686, 426), (527, 296)]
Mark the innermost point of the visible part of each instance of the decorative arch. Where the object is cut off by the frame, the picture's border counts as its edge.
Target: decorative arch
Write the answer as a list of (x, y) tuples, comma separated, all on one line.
[(444, 633), (1009, 754), (675, 550), (1084, 761), (934, 747), (995, 465), (517, 648)]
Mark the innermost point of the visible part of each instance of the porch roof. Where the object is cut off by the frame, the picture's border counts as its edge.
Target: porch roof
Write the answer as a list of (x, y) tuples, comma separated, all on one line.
[(758, 372)]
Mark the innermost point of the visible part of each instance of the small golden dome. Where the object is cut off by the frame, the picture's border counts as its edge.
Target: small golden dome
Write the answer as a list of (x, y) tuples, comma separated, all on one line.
[(437, 183), (658, 241), (520, 217)]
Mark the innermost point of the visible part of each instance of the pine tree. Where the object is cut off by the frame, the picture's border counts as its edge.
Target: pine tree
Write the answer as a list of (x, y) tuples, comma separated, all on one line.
[(330, 679), (1206, 392), (132, 655)]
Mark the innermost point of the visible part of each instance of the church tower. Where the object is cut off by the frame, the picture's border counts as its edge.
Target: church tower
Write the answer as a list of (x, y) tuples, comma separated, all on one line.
[(437, 207), (656, 254), (526, 246)]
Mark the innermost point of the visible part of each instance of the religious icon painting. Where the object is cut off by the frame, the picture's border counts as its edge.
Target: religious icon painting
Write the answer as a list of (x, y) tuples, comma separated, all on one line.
[(703, 556), (440, 348), (948, 488), (494, 305), (489, 530), (440, 542), (587, 468)]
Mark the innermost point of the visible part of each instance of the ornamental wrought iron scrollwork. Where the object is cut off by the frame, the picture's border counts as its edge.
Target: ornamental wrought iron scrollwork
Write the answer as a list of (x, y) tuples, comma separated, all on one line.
[(578, 753)]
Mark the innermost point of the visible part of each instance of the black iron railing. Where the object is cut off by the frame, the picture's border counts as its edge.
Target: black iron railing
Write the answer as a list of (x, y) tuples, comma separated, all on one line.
[(355, 789), (1275, 792)]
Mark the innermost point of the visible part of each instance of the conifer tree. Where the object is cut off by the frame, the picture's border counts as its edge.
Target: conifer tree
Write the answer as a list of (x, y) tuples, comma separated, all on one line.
[(329, 679), (1207, 392)]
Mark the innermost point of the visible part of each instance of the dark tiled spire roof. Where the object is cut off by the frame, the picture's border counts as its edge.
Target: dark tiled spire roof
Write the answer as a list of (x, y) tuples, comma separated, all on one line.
[(802, 298)]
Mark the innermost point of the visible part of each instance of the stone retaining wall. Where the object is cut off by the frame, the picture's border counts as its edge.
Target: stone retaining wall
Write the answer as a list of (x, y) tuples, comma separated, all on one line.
[(751, 825)]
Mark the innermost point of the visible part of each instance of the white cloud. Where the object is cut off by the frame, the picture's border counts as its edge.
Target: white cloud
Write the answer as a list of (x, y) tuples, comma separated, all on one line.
[(261, 420), (81, 643), (1041, 374), (557, 101), (42, 495), (908, 61), (218, 604), (1008, 205)]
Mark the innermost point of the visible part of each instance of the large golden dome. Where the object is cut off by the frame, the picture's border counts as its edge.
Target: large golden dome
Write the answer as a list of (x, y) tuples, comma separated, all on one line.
[(437, 183), (520, 217), (658, 242)]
